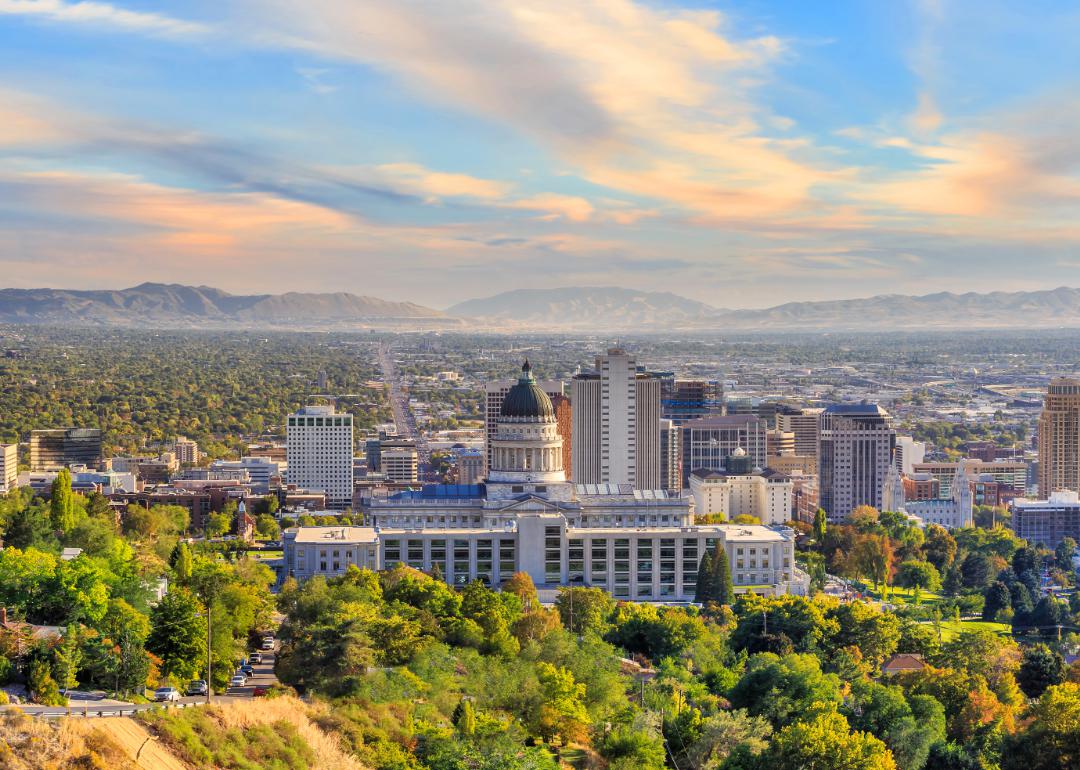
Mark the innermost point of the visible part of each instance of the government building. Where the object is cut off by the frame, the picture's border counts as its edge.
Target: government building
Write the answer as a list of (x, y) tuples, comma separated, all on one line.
[(638, 544)]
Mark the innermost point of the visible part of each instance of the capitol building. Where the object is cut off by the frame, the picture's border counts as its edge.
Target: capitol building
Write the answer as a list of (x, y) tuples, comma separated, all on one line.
[(526, 517)]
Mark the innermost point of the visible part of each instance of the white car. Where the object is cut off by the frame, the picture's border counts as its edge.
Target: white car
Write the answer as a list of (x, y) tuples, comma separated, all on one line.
[(166, 694), (268, 643), (238, 681)]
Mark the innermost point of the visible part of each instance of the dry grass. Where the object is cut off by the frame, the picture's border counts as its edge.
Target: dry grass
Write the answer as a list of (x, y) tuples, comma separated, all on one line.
[(37, 744)]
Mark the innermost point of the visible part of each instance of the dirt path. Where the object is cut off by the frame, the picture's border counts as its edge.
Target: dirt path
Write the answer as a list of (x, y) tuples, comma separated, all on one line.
[(132, 736)]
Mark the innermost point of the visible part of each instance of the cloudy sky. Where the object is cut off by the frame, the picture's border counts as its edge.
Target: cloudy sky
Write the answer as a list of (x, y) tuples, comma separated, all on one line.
[(740, 153)]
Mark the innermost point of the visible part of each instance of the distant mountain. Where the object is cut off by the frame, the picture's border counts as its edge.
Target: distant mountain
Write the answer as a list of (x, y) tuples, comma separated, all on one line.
[(624, 309), (587, 308), (157, 304)]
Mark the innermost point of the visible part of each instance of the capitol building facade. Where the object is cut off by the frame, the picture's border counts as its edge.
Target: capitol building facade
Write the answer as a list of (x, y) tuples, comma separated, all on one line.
[(526, 517)]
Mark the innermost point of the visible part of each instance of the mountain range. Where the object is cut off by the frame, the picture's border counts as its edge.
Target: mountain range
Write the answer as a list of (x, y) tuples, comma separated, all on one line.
[(578, 309)]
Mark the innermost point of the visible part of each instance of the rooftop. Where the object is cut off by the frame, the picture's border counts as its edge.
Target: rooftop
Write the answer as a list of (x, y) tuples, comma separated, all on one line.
[(334, 534)]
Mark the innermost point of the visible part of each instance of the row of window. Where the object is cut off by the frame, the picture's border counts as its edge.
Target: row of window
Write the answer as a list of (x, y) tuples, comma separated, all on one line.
[(321, 422)]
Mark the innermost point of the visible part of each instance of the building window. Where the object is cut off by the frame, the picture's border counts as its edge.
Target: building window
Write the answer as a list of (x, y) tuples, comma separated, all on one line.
[(552, 554)]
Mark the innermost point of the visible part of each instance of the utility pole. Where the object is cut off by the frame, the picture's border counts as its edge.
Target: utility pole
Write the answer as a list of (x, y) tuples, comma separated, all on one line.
[(765, 621), (209, 658)]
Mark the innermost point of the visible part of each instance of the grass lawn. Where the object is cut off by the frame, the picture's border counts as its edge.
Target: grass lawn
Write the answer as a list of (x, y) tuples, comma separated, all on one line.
[(899, 595), (950, 628), (266, 554)]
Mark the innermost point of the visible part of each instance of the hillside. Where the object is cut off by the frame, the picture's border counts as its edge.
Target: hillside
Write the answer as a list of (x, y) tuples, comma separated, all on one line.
[(155, 304)]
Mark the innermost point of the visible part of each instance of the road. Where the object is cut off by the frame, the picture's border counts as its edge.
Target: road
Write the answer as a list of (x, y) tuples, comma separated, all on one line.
[(404, 420), (264, 677)]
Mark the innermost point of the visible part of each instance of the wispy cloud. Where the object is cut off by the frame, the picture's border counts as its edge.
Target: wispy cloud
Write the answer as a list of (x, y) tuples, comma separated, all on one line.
[(102, 15)]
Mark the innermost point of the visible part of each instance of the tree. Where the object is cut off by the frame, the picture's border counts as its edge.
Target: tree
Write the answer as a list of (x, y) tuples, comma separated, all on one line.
[(218, 524), (826, 743), (726, 732), (178, 634), (875, 633), (918, 574), (784, 689), (24, 581), (563, 713), (62, 502), (181, 562), (43, 686), (820, 525), (1063, 554), (940, 547), (873, 555), (267, 526), (996, 599), (1025, 559), (1048, 614), (1040, 668), (584, 609), (521, 585), (723, 589), (68, 659), (976, 570), (704, 591), (464, 717), (1050, 739)]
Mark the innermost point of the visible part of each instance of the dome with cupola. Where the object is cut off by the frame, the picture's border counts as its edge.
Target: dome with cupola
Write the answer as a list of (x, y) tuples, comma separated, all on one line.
[(527, 399)]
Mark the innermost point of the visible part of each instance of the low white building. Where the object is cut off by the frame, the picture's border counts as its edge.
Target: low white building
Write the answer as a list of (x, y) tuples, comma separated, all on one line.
[(741, 490), (1047, 521), (329, 551), (260, 471)]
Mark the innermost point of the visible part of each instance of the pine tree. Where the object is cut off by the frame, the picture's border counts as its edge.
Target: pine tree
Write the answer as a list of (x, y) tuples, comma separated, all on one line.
[(68, 659), (437, 573), (705, 593), (180, 561), (723, 587)]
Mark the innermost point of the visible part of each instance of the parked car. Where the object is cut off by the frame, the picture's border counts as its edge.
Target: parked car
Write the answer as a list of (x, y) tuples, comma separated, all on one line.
[(258, 692), (255, 657), (238, 681), (166, 694), (247, 670), (197, 687)]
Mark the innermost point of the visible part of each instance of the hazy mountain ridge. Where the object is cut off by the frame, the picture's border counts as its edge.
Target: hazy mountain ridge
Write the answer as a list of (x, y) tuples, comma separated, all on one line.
[(609, 308), (156, 303)]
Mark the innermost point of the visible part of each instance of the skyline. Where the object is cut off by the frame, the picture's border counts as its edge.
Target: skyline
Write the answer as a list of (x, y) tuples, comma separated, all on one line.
[(263, 147)]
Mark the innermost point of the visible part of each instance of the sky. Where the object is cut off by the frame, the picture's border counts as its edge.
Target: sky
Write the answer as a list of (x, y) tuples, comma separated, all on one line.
[(743, 154)]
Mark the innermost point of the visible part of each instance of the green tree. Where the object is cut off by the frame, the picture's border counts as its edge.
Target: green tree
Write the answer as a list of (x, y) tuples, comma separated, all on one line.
[(784, 690), (62, 502), (562, 713), (1063, 554), (725, 733), (181, 562), (820, 525), (218, 524), (67, 658), (976, 570), (43, 686), (940, 547), (1040, 668), (464, 717), (584, 609), (918, 574), (178, 634), (875, 633), (1050, 739), (995, 600), (704, 590), (826, 743), (722, 585), (267, 526)]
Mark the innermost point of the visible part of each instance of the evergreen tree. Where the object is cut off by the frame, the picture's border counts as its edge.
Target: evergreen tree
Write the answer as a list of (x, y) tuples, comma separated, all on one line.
[(180, 561), (62, 504), (705, 591), (68, 659), (437, 573), (820, 525), (464, 717), (723, 589), (997, 599)]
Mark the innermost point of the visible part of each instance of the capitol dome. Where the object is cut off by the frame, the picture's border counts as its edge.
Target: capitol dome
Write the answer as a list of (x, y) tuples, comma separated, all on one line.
[(527, 399)]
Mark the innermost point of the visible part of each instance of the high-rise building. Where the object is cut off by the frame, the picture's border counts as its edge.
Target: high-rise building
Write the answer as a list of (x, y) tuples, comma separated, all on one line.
[(805, 423), (496, 391), (470, 466), (63, 447), (319, 444), (186, 451), (9, 467), (322, 382), (742, 490), (670, 452), (616, 424), (1059, 437), (399, 460), (564, 420), (908, 452), (708, 442), (685, 400), (779, 443), (855, 459)]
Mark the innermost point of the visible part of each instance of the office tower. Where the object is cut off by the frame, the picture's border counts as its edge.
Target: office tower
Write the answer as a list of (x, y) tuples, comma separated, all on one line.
[(319, 444), (62, 447), (399, 460), (616, 424), (322, 382), (685, 400), (805, 423), (670, 452), (186, 451), (470, 466), (908, 452), (564, 419), (9, 467), (855, 459), (495, 393), (708, 442), (779, 443), (1059, 437), (1047, 521)]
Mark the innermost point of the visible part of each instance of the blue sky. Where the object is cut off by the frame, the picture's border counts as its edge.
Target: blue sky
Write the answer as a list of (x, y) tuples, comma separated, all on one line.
[(741, 153)]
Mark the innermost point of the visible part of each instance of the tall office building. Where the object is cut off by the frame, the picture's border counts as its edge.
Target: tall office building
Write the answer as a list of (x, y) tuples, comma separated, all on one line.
[(708, 442), (805, 423), (616, 424), (319, 444), (495, 393), (855, 457), (399, 460), (186, 451), (908, 452), (670, 453), (9, 467), (63, 447), (685, 400), (564, 421), (1059, 438)]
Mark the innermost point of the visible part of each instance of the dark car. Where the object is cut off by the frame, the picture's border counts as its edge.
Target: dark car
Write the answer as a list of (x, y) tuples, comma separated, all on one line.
[(248, 670), (197, 687)]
